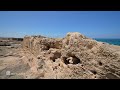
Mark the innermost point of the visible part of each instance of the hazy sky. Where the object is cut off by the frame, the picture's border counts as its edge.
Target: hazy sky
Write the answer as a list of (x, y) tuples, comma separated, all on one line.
[(94, 24)]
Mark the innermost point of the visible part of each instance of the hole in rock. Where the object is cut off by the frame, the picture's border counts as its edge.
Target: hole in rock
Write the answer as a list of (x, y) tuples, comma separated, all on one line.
[(38, 57), (40, 67), (100, 63), (82, 65), (65, 60), (76, 60), (46, 47), (95, 77), (93, 71), (55, 56), (54, 60), (26, 46), (73, 59)]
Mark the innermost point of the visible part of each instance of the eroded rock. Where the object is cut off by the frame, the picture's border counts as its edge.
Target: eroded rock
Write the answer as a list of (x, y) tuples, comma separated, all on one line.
[(74, 56)]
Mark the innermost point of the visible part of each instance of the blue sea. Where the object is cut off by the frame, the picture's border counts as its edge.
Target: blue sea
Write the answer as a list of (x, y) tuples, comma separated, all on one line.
[(110, 41)]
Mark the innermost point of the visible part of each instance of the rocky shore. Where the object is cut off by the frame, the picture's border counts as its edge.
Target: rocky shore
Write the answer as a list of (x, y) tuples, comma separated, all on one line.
[(73, 57)]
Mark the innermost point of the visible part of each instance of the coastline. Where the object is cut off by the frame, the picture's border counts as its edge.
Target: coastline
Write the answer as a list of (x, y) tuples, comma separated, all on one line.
[(111, 41)]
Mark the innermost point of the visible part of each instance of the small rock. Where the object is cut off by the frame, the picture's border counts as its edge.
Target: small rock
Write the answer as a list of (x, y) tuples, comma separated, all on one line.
[(8, 73)]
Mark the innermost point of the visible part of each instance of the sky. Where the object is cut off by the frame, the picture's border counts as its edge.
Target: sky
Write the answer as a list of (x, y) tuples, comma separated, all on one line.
[(93, 24)]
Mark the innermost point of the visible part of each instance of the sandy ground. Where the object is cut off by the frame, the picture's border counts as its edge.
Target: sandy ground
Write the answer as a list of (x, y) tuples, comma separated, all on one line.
[(11, 61)]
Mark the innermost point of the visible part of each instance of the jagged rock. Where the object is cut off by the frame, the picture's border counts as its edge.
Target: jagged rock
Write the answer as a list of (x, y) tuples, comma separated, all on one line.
[(74, 56)]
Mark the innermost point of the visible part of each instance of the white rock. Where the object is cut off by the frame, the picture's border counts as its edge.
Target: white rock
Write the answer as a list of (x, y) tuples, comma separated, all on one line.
[(8, 73)]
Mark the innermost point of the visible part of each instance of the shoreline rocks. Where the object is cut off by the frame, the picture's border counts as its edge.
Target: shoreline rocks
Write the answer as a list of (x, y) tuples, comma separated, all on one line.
[(79, 56)]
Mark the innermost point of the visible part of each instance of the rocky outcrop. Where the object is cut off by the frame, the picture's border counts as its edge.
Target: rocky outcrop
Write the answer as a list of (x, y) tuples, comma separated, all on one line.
[(74, 56)]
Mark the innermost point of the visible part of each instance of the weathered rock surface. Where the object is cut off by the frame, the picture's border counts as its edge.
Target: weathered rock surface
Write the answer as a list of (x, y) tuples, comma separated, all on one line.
[(72, 57)]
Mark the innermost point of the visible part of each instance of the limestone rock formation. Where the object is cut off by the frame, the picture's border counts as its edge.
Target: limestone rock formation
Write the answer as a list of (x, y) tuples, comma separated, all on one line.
[(72, 57)]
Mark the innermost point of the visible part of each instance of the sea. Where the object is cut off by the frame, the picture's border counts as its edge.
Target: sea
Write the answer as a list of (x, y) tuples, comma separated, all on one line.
[(110, 41)]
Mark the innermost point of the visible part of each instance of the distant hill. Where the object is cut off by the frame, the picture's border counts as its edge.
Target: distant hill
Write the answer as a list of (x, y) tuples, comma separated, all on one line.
[(11, 38)]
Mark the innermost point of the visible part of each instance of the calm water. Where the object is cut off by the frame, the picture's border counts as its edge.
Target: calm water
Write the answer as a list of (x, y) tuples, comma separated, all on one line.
[(110, 41)]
